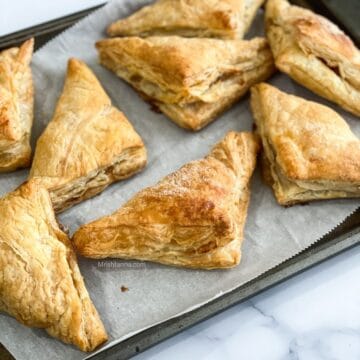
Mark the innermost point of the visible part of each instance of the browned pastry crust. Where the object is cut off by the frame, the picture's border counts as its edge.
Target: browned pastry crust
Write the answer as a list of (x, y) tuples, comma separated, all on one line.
[(16, 106), (310, 151), (87, 145), (40, 282), (315, 53), (190, 80), (194, 217), (225, 19)]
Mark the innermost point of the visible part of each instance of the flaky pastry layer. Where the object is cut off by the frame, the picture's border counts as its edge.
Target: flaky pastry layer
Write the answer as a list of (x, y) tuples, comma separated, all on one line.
[(310, 152), (40, 281), (190, 80), (129, 163), (314, 52), (16, 106), (87, 145), (194, 217)]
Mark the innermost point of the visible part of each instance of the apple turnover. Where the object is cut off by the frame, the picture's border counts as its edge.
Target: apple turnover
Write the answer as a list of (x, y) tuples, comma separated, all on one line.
[(40, 281), (16, 106), (194, 217), (87, 145), (315, 53), (310, 152), (192, 81)]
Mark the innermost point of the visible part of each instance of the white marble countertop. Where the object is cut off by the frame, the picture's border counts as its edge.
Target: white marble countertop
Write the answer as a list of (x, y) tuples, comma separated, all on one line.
[(315, 315)]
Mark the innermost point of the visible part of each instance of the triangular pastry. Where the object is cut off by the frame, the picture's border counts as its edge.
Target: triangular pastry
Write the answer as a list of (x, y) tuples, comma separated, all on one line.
[(88, 144), (315, 53), (40, 282), (226, 19), (190, 80), (194, 217), (310, 152), (16, 106)]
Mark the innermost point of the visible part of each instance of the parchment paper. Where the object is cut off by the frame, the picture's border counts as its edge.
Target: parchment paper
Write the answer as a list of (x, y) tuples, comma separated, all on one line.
[(157, 293)]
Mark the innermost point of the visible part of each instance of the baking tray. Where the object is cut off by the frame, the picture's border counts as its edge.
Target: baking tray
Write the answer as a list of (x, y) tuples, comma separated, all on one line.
[(343, 237)]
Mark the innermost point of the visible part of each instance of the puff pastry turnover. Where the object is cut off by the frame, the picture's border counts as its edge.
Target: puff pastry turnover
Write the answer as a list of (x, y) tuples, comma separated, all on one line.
[(315, 53), (16, 106), (194, 217), (190, 80), (40, 282), (310, 152), (226, 19), (87, 145)]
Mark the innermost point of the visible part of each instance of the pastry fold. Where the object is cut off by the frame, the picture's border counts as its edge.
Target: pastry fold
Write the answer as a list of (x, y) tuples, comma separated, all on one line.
[(315, 53), (194, 217), (40, 282), (225, 19), (16, 106), (310, 152), (190, 80), (87, 145)]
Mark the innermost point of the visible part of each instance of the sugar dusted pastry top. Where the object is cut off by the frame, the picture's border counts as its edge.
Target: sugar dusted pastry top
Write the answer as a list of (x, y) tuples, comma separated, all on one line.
[(86, 132), (193, 217), (312, 32), (193, 18), (40, 282), (314, 52), (199, 194), (310, 140), (318, 36)]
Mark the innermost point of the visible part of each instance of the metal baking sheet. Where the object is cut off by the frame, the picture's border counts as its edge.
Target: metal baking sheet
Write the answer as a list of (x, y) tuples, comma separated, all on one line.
[(342, 238)]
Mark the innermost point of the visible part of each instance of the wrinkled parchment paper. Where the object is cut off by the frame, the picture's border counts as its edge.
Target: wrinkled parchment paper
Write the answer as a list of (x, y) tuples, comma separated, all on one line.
[(157, 293)]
